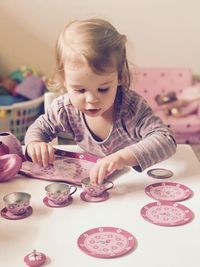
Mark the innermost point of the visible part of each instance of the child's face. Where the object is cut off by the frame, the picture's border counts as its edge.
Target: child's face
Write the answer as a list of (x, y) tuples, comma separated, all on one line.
[(91, 93)]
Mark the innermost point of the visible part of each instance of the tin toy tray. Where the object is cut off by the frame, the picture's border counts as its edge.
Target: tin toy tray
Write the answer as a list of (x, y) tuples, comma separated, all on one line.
[(68, 166)]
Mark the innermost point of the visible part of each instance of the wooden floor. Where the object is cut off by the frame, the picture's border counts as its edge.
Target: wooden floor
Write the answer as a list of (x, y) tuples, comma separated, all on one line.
[(196, 149)]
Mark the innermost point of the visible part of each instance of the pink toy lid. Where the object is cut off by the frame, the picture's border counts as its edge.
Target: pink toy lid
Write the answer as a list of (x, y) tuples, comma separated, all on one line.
[(168, 191), (166, 213), (160, 173), (35, 259), (106, 242)]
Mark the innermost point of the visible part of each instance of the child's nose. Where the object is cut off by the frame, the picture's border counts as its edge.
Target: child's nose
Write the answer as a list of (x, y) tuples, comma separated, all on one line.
[(91, 98)]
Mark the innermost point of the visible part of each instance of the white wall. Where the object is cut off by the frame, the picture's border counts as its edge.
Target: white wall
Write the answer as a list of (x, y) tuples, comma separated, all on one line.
[(160, 32)]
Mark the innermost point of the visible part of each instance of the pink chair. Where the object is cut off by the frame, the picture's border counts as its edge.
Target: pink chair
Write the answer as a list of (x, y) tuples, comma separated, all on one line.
[(160, 81)]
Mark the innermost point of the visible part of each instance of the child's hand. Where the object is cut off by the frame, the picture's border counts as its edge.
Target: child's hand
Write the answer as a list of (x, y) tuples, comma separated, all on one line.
[(115, 161), (41, 153)]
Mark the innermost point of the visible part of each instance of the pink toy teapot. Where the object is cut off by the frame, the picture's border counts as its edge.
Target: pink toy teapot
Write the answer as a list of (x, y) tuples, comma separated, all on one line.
[(13, 145), (10, 156), (3, 149), (9, 166)]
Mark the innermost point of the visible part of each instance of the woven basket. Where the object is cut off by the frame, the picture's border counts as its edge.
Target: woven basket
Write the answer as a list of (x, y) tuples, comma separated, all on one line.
[(18, 117)]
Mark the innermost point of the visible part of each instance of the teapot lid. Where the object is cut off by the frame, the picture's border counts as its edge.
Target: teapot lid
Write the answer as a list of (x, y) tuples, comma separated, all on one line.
[(35, 258)]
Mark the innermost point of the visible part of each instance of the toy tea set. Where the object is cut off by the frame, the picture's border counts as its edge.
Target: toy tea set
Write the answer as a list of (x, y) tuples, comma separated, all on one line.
[(57, 194), (114, 241), (17, 204)]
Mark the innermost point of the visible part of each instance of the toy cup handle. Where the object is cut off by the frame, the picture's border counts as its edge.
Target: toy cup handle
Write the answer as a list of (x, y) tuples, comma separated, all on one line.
[(75, 188), (109, 187)]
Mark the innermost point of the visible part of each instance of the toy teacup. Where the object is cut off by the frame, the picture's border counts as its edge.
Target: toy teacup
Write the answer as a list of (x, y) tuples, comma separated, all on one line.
[(59, 193), (95, 190), (17, 203)]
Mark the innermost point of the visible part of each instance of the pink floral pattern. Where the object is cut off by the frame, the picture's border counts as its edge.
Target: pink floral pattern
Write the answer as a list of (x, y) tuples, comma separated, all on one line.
[(106, 242), (68, 167), (168, 191), (166, 213)]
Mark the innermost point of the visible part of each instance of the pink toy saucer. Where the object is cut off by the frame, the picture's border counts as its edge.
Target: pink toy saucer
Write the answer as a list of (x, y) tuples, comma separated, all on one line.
[(166, 213), (85, 197), (168, 191), (160, 173), (8, 215), (35, 259), (50, 203), (106, 242)]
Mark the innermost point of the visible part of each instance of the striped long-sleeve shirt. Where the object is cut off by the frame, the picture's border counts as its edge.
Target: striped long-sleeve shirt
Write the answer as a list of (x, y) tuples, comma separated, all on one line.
[(134, 126)]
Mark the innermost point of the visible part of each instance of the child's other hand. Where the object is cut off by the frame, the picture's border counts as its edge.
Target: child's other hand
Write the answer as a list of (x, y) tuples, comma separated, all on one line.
[(41, 153), (108, 164)]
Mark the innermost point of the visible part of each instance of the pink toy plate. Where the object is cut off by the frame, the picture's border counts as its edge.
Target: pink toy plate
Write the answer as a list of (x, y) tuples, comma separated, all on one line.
[(8, 215), (106, 242), (68, 166), (85, 197), (160, 173), (166, 213), (50, 203), (168, 191)]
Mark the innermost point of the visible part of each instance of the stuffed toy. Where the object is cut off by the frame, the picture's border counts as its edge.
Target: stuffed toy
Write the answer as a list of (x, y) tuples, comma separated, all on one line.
[(182, 104), (165, 99)]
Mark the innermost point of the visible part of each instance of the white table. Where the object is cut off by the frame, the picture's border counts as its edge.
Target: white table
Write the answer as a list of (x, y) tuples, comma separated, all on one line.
[(55, 231)]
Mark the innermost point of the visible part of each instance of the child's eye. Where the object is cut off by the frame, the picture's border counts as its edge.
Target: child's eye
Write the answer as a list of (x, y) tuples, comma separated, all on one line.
[(81, 91), (103, 90)]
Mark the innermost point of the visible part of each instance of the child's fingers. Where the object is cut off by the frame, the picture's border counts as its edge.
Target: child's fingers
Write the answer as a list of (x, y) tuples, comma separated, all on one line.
[(33, 156), (94, 174), (93, 177), (102, 173), (112, 166), (38, 155), (51, 154), (41, 153), (98, 172), (47, 153), (44, 155), (33, 151)]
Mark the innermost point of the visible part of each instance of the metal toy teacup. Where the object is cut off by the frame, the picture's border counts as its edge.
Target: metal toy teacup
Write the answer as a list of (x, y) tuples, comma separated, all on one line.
[(17, 203), (95, 190), (59, 193)]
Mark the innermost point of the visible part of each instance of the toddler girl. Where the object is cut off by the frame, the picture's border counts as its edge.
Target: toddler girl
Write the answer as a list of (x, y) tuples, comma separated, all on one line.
[(104, 116)]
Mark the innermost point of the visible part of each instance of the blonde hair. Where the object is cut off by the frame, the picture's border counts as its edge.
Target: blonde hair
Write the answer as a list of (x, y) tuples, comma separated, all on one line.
[(94, 42)]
